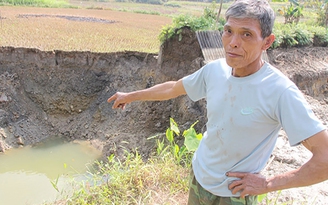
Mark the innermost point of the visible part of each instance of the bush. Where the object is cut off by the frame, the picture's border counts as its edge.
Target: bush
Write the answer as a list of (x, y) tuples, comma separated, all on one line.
[(299, 35), (205, 22), (320, 36), (170, 4)]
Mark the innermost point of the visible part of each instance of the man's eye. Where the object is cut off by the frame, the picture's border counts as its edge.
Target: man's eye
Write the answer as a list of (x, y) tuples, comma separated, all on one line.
[(247, 34)]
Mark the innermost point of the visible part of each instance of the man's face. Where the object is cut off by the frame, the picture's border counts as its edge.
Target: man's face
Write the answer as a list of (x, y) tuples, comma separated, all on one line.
[(243, 44)]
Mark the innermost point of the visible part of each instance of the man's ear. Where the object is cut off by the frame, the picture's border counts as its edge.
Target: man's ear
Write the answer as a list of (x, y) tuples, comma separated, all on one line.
[(268, 41)]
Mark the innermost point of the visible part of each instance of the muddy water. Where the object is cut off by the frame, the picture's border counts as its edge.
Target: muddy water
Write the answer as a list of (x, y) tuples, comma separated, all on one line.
[(26, 174)]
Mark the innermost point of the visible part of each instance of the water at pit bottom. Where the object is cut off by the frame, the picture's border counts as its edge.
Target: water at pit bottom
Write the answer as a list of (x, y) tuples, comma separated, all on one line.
[(26, 174)]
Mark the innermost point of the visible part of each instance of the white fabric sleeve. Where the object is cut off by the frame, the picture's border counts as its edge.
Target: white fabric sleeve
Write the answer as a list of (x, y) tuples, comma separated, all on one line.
[(296, 116), (195, 85)]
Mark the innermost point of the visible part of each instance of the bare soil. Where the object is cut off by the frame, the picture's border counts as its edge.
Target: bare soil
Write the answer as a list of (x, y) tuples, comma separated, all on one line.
[(57, 93)]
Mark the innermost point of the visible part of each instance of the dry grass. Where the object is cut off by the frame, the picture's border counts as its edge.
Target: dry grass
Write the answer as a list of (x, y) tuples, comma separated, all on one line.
[(131, 31), (159, 181)]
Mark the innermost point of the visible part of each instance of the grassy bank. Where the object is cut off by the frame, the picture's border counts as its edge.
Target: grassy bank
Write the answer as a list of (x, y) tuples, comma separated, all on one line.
[(163, 178)]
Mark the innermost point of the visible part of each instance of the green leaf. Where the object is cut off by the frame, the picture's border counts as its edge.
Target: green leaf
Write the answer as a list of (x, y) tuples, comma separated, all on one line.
[(174, 126), (261, 197), (176, 150), (160, 146), (191, 142), (192, 139), (199, 136), (182, 151), (190, 132), (169, 135)]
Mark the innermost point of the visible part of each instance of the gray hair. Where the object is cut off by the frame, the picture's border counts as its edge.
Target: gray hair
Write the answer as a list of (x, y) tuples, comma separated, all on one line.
[(255, 9)]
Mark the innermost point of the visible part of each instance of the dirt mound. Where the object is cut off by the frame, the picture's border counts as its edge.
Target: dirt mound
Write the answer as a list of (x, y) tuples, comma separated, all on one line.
[(64, 94)]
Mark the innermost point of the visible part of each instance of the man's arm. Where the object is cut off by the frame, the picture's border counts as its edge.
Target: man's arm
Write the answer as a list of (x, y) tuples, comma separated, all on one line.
[(312, 172), (164, 91)]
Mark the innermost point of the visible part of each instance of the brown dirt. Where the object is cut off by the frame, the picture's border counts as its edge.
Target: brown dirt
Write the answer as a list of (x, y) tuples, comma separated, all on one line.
[(64, 94)]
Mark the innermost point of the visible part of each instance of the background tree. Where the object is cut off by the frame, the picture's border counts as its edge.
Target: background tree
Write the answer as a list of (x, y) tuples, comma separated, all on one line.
[(292, 13)]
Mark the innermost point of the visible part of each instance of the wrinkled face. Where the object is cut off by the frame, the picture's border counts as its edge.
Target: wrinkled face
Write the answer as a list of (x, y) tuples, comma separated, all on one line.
[(243, 44)]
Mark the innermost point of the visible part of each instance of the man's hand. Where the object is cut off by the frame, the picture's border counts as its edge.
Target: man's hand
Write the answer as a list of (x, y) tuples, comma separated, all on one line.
[(163, 91), (248, 184), (120, 100)]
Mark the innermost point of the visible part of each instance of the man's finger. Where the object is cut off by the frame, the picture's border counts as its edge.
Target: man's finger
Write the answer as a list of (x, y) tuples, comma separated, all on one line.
[(243, 194), (236, 174), (122, 106), (113, 97), (235, 184)]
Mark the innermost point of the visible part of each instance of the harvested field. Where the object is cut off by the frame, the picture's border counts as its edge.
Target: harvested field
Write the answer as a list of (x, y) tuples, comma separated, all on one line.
[(80, 29)]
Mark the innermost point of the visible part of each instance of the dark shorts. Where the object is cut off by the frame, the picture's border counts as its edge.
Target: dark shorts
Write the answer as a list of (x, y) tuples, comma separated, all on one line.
[(199, 196)]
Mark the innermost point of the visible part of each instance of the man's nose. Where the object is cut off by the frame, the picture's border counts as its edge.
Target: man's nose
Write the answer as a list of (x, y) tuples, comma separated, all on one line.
[(235, 41)]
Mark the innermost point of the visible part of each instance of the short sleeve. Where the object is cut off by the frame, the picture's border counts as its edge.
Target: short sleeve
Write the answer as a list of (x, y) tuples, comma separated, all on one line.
[(195, 85), (296, 116)]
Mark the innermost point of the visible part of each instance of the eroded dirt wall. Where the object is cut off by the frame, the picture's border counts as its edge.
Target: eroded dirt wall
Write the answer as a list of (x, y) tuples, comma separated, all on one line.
[(307, 67), (64, 94)]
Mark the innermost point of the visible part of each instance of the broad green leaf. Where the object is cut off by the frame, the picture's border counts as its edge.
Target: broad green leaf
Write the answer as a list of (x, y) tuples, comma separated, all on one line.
[(174, 127), (190, 132), (191, 143)]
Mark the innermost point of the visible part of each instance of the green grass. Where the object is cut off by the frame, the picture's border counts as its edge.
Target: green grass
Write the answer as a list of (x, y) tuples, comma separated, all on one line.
[(159, 180), (38, 3), (163, 178)]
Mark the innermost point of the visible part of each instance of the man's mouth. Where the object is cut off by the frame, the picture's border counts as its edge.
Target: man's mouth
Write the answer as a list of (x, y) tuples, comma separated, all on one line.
[(233, 55)]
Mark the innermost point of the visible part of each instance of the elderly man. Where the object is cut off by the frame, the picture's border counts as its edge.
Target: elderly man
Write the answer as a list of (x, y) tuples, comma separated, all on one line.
[(248, 102)]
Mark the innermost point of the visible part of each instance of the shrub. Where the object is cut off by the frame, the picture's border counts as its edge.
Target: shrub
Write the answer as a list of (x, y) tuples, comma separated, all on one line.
[(207, 21), (298, 35), (320, 36), (303, 35), (172, 4), (292, 13)]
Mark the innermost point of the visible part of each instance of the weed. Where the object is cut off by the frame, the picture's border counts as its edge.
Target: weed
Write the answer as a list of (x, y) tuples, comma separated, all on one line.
[(163, 178)]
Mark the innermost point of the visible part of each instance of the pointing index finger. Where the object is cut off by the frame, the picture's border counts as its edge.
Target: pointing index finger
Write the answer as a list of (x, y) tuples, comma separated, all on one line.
[(113, 97)]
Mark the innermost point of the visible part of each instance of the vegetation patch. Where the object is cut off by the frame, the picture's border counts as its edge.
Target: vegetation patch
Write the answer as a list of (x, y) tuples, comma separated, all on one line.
[(162, 179), (291, 33)]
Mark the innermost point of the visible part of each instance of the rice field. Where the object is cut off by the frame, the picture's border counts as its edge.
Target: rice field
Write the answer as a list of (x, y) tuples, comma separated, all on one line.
[(80, 29), (96, 26)]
